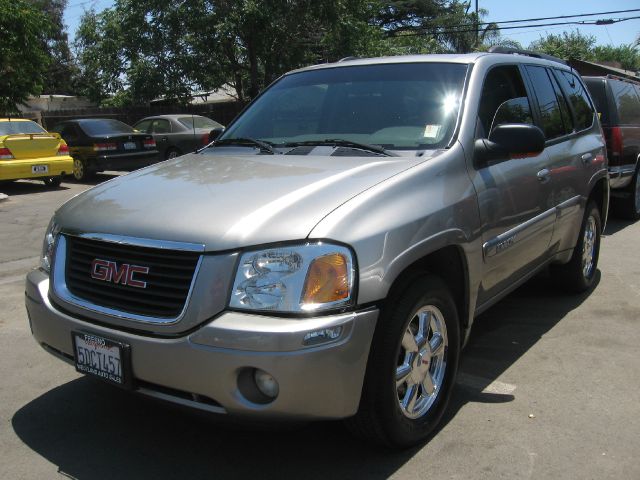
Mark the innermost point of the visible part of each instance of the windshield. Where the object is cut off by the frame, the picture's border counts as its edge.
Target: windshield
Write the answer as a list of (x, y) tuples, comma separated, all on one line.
[(11, 128), (397, 106), (199, 122), (97, 128)]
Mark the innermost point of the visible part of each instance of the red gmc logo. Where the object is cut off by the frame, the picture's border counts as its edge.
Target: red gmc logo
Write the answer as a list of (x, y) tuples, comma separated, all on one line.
[(108, 271)]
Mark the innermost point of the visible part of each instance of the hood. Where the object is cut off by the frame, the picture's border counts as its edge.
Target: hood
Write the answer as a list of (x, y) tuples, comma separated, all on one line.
[(226, 202)]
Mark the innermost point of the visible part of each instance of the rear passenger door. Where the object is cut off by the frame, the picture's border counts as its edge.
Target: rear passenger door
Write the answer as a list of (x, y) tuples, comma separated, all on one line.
[(574, 150)]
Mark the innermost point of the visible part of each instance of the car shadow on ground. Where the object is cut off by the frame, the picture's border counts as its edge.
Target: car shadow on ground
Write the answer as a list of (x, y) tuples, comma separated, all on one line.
[(25, 187), (615, 225), (91, 430)]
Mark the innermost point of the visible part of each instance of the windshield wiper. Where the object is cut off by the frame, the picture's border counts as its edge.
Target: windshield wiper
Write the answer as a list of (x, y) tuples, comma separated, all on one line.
[(340, 142), (264, 145)]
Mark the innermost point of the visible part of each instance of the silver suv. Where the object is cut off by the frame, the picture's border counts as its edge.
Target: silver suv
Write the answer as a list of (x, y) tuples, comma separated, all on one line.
[(326, 257)]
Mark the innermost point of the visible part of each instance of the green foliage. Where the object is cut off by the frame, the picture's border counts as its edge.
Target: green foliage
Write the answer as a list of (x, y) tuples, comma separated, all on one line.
[(61, 73), (568, 45), (23, 30), (627, 56)]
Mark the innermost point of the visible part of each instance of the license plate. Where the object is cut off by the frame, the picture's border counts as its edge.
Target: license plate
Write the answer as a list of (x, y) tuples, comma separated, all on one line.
[(102, 358), (130, 145), (39, 169)]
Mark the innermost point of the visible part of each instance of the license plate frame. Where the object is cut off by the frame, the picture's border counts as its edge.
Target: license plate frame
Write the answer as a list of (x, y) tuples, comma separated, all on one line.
[(130, 146), (39, 169), (92, 342)]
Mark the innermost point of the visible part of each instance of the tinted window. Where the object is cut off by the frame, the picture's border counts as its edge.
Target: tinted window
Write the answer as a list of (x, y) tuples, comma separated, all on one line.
[(504, 100), (11, 128), (199, 122), (579, 99), (599, 96), (627, 101), (553, 123), (412, 105), (143, 126), (97, 128)]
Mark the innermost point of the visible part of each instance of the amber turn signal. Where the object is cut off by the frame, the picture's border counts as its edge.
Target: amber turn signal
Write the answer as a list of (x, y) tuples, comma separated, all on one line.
[(327, 280)]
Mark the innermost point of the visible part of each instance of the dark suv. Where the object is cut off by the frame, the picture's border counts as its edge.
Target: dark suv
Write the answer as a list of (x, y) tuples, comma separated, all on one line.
[(618, 103)]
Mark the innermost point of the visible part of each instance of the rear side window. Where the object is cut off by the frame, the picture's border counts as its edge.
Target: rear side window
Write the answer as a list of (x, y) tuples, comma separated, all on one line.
[(143, 126), (627, 102), (161, 126), (96, 128), (554, 122), (579, 99)]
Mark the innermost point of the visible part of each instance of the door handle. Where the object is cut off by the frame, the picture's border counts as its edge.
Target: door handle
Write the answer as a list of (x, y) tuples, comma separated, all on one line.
[(586, 158), (164, 139), (544, 175)]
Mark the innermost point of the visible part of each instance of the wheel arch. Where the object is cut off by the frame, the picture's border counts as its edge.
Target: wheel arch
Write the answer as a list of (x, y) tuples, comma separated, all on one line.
[(600, 195), (448, 263)]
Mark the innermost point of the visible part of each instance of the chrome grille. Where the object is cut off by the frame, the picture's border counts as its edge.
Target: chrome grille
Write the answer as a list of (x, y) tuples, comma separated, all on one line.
[(168, 279)]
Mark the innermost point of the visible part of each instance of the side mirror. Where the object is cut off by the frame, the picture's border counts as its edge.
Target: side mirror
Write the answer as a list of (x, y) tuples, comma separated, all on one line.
[(514, 140), (215, 133)]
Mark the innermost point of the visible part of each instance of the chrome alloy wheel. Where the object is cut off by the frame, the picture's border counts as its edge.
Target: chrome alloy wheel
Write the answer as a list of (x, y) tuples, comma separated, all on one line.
[(78, 169), (421, 362), (589, 246)]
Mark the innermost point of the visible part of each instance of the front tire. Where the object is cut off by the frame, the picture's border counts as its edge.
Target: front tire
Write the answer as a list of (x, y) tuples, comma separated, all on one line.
[(579, 274), (412, 366)]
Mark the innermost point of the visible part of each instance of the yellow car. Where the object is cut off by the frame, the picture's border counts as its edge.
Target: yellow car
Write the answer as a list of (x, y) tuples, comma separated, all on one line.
[(28, 151)]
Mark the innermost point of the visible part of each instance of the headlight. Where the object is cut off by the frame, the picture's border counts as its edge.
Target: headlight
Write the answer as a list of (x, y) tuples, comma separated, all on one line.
[(311, 277), (48, 245)]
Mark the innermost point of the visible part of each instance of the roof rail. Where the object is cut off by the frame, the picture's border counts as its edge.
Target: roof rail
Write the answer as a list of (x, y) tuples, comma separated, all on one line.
[(623, 79), (346, 59), (528, 53)]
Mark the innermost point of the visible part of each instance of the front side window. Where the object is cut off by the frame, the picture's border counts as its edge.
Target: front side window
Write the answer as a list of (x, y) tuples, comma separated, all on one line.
[(579, 99), (503, 100), (397, 106), (199, 122), (555, 122)]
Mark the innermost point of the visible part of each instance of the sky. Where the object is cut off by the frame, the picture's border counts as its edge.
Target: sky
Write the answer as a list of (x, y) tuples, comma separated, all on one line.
[(499, 10)]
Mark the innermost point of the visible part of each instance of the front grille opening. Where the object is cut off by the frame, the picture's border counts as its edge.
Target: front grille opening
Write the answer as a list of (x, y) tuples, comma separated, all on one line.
[(166, 285)]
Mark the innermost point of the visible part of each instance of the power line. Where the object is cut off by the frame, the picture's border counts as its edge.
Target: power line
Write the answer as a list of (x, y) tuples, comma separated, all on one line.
[(471, 28), (563, 16)]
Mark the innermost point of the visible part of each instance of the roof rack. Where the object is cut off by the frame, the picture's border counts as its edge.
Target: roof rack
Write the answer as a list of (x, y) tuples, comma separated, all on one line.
[(623, 79), (528, 53), (346, 59)]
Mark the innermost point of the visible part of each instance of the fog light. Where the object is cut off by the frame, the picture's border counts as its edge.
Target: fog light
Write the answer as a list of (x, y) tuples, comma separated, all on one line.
[(322, 336), (266, 383)]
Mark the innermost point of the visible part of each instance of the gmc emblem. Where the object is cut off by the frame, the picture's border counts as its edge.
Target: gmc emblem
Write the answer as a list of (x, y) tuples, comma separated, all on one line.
[(108, 271)]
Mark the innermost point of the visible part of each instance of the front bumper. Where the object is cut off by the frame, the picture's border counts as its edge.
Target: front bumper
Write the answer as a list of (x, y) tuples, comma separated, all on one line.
[(17, 169), (202, 369)]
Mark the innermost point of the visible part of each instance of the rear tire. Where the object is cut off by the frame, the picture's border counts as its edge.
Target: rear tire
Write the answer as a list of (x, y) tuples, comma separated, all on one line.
[(412, 366), (579, 274), (172, 153), (52, 182)]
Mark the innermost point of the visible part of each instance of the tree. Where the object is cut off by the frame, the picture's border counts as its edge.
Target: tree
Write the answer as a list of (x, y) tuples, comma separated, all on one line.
[(568, 45), (61, 73), (627, 56), (24, 59)]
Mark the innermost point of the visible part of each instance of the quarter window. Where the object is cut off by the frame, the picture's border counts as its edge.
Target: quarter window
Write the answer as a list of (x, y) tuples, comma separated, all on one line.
[(579, 99), (554, 123)]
